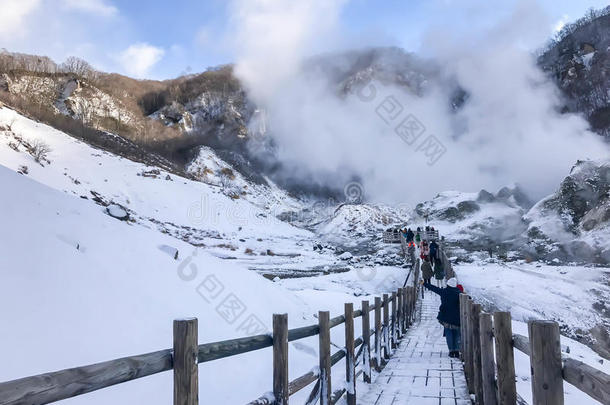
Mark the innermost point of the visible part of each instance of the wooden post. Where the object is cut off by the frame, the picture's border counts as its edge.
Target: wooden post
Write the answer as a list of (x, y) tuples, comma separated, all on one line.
[(408, 305), (545, 361), (488, 370), (324, 349), (401, 315), (412, 299), (186, 375), (280, 359), (476, 344), (366, 341), (505, 360), (393, 321), (415, 297), (386, 326), (405, 323), (413, 303), (463, 299), (350, 361), (469, 346), (378, 333)]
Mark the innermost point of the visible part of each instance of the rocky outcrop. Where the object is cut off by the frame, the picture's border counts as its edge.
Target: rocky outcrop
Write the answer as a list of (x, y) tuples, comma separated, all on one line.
[(72, 96), (579, 65), (573, 224)]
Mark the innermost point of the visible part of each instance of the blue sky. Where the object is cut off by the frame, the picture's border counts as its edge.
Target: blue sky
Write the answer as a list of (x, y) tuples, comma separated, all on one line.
[(161, 39)]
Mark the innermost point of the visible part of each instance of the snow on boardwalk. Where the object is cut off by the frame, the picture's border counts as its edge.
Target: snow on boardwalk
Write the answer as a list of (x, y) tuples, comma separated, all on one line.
[(420, 370)]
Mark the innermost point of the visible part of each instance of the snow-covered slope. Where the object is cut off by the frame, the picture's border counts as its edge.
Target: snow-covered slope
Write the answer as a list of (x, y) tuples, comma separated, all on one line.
[(151, 195), (209, 168), (242, 227), (83, 286)]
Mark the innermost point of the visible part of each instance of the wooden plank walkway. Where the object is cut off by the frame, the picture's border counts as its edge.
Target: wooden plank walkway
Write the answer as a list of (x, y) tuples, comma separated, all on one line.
[(420, 371)]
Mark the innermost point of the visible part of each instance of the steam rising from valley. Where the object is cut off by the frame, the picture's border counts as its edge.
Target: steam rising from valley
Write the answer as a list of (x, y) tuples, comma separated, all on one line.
[(479, 95)]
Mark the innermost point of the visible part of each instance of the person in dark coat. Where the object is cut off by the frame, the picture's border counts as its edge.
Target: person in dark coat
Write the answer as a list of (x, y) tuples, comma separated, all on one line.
[(433, 250), (439, 272), (449, 314), (410, 235), (426, 271)]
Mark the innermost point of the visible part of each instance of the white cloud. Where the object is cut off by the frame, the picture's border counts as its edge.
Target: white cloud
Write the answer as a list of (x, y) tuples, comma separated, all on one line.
[(138, 59), (98, 7), (13, 13)]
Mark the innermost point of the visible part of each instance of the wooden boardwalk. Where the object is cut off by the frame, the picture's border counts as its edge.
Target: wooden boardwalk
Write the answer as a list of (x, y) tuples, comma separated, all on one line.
[(420, 372)]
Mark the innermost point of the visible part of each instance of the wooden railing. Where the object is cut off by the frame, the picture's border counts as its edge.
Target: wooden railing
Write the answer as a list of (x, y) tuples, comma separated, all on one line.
[(492, 379), (398, 314)]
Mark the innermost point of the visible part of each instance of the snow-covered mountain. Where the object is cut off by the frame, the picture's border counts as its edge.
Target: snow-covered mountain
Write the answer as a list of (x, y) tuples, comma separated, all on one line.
[(478, 221), (574, 222)]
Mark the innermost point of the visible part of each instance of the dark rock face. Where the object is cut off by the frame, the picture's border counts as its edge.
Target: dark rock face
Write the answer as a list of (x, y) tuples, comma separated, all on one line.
[(467, 207), (580, 65), (485, 197), (580, 210), (451, 214), (515, 196), (583, 192)]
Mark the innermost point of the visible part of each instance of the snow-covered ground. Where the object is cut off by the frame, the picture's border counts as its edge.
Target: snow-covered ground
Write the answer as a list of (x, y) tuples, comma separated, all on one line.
[(81, 294), (567, 294)]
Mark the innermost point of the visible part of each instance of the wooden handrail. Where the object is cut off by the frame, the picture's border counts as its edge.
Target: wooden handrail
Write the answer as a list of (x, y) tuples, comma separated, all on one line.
[(521, 343), (589, 380), (227, 348), (58, 385)]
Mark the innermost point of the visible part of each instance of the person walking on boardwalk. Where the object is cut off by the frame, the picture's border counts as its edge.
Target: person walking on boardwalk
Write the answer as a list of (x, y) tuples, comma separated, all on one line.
[(433, 250), (426, 273), (424, 250), (439, 272), (449, 314), (410, 236)]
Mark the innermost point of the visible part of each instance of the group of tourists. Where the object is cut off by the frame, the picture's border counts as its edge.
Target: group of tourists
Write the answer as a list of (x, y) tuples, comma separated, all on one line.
[(432, 265), (416, 237), (449, 291)]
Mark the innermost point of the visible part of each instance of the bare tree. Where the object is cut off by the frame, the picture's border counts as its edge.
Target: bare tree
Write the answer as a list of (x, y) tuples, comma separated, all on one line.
[(79, 67), (40, 151)]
